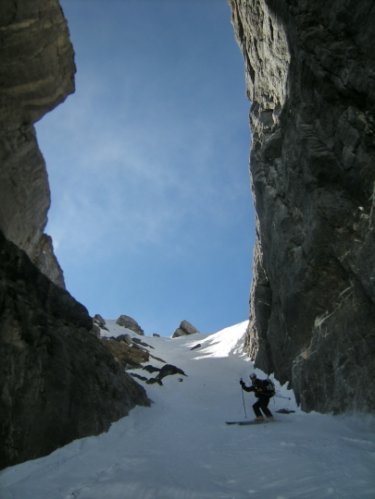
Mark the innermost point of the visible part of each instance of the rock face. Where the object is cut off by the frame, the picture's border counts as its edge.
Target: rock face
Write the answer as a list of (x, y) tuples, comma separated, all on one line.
[(57, 381), (185, 329), (36, 73), (310, 72), (127, 353)]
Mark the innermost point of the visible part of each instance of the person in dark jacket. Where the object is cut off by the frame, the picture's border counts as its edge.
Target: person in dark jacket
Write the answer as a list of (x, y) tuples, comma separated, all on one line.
[(259, 387)]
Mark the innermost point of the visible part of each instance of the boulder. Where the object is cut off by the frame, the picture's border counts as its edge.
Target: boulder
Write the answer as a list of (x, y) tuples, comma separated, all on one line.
[(185, 329), (130, 323)]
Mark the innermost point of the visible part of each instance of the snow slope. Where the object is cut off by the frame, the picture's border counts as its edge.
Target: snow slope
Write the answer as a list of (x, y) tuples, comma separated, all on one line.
[(180, 448)]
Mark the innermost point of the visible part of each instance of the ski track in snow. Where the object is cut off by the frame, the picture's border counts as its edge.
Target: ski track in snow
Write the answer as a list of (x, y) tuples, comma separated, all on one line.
[(180, 448)]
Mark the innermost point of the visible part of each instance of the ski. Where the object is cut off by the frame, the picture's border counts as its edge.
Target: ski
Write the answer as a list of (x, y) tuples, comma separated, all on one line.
[(249, 422)]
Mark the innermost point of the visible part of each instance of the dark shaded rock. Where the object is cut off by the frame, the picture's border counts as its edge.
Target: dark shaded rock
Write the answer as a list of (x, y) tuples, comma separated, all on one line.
[(153, 381), (310, 72), (151, 369), (138, 376), (196, 347), (58, 382), (123, 337), (129, 356), (185, 329), (96, 330), (157, 358), (138, 341), (167, 370), (130, 323)]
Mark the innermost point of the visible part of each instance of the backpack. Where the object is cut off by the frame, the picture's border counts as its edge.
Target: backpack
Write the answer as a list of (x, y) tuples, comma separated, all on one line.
[(269, 387)]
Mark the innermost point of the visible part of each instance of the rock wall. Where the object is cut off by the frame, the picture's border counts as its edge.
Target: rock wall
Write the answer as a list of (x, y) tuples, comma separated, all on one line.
[(57, 381), (310, 71), (36, 73)]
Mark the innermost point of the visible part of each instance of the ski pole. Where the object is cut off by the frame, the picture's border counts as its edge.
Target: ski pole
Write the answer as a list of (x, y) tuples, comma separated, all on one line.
[(243, 403)]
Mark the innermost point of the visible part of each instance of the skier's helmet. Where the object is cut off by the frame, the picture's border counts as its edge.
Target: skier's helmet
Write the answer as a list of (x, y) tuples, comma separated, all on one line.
[(253, 376)]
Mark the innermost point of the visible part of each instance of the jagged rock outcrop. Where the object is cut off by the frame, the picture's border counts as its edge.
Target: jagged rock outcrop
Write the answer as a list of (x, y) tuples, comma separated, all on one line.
[(99, 321), (57, 381), (166, 370), (98, 325), (130, 323), (127, 353), (310, 72), (185, 329)]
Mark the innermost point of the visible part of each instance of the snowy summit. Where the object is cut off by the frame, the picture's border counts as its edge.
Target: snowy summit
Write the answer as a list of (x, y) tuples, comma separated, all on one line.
[(181, 448)]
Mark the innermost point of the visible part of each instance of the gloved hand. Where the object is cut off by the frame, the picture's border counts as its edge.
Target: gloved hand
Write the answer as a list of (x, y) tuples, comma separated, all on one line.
[(242, 383)]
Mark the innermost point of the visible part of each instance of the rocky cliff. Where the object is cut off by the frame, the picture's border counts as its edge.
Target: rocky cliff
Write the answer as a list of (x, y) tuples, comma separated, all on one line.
[(310, 70), (57, 381), (36, 73)]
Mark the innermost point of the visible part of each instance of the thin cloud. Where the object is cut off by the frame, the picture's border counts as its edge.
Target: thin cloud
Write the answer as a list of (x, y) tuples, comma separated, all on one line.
[(133, 182)]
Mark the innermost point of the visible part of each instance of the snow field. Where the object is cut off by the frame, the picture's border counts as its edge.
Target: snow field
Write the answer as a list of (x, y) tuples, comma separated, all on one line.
[(180, 448)]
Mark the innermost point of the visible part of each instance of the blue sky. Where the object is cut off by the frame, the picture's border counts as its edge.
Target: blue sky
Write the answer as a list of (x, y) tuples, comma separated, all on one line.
[(151, 210)]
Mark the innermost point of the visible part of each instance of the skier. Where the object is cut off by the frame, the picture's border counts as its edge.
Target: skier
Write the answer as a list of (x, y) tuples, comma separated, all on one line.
[(263, 393)]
